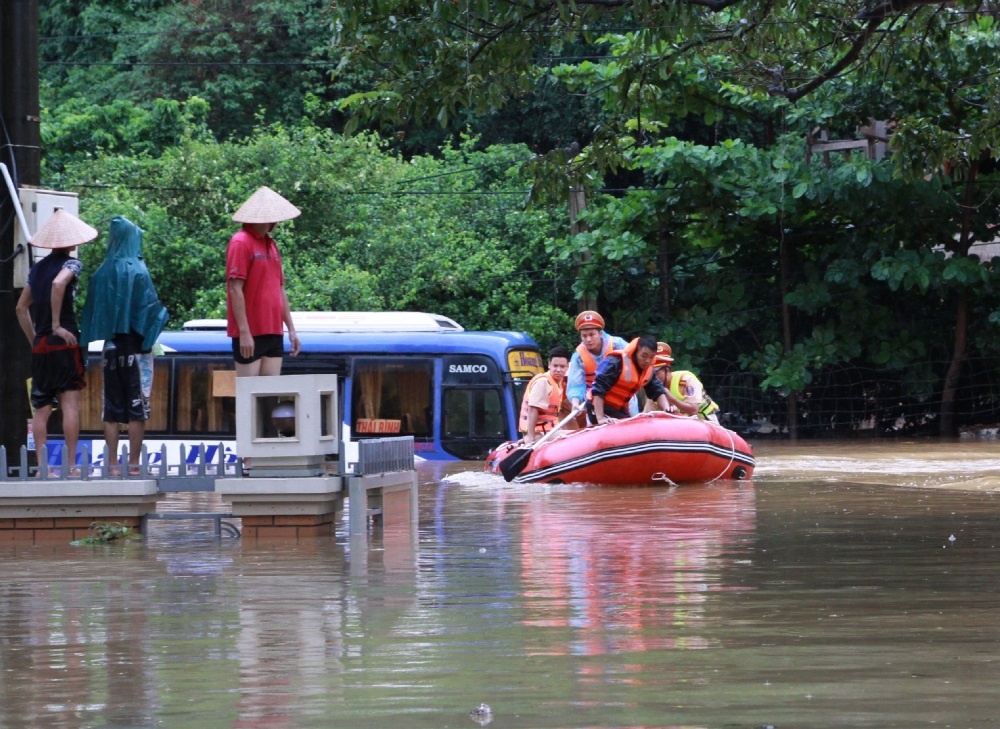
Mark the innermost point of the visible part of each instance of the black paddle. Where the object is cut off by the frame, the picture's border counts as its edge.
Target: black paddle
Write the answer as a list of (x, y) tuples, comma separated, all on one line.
[(513, 464)]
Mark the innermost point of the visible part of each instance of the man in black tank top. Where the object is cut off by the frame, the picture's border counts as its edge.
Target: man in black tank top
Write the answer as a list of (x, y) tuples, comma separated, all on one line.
[(45, 312)]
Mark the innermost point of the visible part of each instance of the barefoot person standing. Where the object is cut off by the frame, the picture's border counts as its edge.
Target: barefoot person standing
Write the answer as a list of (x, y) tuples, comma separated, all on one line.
[(122, 309), (256, 304), (45, 313)]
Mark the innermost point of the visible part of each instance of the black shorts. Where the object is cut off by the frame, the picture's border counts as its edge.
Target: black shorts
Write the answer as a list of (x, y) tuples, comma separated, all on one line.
[(265, 345), (55, 368), (126, 395)]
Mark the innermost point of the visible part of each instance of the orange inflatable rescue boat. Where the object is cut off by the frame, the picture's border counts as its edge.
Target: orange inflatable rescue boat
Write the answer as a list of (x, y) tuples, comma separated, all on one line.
[(651, 448)]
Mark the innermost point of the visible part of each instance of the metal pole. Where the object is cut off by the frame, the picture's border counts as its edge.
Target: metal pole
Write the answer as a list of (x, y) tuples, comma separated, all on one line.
[(20, 150)]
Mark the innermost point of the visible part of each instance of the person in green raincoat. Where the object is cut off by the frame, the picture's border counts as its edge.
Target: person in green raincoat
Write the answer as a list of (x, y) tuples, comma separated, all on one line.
[(122, 309)]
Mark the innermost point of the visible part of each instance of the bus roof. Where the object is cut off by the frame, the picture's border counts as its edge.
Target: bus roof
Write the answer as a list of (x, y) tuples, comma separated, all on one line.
[(351, 321), (363, 343), (353, 332)]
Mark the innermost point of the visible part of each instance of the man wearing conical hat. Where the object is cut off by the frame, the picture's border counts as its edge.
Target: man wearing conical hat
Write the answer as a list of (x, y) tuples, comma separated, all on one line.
[(45, 312), (256, 304)]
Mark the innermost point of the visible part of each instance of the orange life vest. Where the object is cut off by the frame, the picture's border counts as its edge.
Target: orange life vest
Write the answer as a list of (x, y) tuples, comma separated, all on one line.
[(630, 380), (550, 415), (589, 362)]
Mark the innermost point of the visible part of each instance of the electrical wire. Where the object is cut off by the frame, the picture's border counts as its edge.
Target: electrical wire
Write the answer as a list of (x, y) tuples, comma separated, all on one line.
[(556, 31), (180, 31), (191, 64), (9, 146)]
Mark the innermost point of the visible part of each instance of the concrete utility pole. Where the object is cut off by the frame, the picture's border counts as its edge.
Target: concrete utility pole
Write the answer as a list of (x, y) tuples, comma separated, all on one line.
[(577, 204), (20, 150)]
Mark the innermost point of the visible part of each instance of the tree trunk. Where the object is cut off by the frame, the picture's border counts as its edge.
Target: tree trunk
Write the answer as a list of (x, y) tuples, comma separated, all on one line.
[(663, 266), (952, 377), (947, 426), (577, 204), (792, 410)]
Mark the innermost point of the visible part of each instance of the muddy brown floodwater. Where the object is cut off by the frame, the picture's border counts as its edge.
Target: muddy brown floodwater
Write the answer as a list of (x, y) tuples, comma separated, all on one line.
[(850, 585)]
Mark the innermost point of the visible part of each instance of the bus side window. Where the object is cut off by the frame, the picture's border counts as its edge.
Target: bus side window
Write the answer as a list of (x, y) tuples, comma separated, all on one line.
[(473, 413), (393, 397), (203, 404), (92, 397), (159, 398), (473, 421)]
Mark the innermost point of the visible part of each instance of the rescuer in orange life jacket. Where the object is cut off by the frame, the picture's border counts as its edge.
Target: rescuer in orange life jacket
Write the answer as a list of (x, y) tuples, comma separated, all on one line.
[(544, 400), (595, 345), (621, 375)]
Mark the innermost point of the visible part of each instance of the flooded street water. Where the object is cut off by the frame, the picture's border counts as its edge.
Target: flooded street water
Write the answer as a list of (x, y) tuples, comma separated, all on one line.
[(850, 585)]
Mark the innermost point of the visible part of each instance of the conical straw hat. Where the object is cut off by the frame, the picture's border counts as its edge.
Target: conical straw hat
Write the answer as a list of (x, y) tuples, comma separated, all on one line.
[(63, 230), (266, 206)]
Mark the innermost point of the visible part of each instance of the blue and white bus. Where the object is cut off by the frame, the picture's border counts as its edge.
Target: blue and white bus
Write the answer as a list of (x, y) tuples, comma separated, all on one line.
[(457, 392)]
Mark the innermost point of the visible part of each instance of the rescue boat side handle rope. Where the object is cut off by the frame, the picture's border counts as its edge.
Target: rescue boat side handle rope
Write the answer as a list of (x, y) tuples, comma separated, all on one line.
[(732, 451)]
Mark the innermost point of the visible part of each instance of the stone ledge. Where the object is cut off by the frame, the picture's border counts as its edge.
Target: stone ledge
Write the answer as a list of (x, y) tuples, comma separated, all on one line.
[(371, 491), (288, 486), (34, 529), (58, 488), (308, 495), (95, 500), (288, 527)]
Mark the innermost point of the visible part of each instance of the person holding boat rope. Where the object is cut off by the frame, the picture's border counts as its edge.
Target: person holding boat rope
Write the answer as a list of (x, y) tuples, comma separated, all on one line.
[(620, 376), (544, 402)]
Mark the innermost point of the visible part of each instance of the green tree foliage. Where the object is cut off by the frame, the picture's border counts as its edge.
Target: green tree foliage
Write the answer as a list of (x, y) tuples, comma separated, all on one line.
[(737, 243), (81, 130), (705, 221), (868, 256), (243, 58), (446, 57), (446, 234), (270, 61)]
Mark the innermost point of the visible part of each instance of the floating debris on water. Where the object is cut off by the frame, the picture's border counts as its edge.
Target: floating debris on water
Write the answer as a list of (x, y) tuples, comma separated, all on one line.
[(482, 714)]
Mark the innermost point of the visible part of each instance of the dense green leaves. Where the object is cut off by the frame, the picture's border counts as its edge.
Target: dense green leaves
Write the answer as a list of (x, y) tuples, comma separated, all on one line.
[(705, 221), (241, 57), (377, 232)]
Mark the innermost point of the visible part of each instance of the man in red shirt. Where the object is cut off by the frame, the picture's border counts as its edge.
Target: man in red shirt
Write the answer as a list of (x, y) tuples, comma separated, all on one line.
[(256, 305)]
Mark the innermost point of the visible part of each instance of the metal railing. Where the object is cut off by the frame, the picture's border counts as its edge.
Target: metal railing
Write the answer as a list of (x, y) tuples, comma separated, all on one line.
[(384, 455), (191, 472)]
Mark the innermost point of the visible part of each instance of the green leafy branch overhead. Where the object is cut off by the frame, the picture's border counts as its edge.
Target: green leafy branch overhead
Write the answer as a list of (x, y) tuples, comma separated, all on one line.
[(650, 61)]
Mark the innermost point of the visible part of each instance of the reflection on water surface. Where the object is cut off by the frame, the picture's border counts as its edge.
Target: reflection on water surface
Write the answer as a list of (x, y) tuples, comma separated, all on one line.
[(851, 585)]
